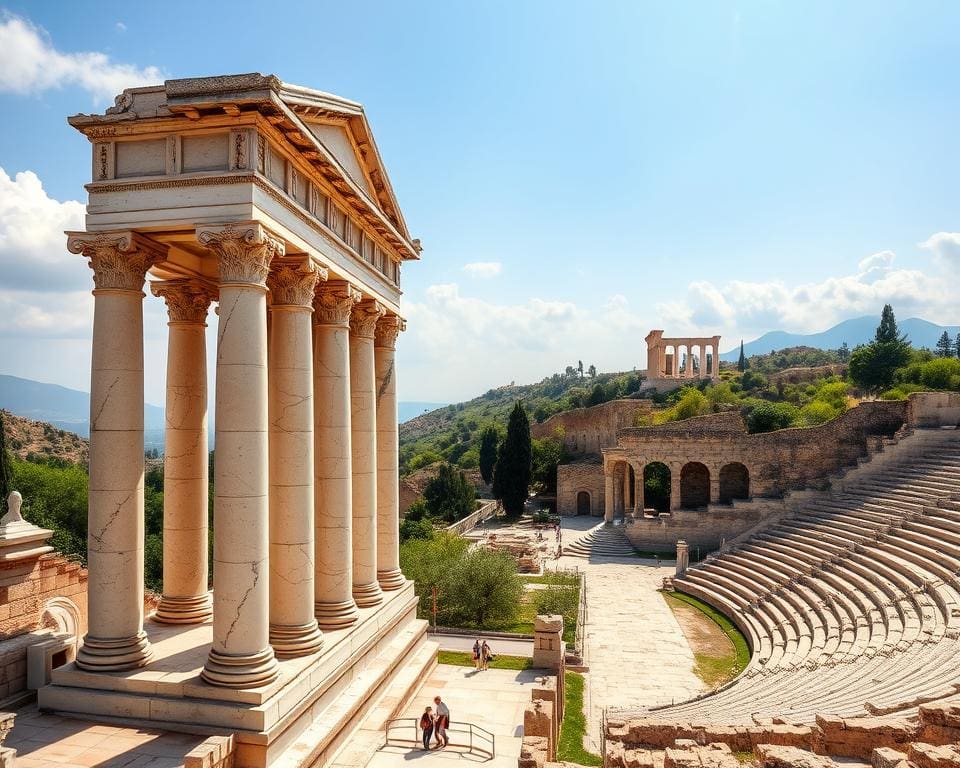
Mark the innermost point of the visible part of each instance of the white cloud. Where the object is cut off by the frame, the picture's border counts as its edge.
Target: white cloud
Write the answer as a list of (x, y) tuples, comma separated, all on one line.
[(120, 26), (945, 247), (29, 63), (483, 269)]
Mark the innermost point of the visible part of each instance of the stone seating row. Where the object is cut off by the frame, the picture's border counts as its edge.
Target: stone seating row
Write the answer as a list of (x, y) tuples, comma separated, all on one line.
[(851, 602)]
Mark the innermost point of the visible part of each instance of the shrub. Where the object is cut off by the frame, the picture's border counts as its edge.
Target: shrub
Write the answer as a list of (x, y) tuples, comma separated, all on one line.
[(940, 374), (768, 417), (415, 529), (817, 412)]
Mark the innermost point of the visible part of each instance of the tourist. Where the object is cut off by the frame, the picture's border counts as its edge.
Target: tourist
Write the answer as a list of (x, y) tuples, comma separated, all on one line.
[(476, 654), (426, 725), (442, 722), (485, 655)]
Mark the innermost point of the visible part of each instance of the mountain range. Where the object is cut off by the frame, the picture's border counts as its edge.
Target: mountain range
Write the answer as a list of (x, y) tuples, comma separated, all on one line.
[(859, 330)]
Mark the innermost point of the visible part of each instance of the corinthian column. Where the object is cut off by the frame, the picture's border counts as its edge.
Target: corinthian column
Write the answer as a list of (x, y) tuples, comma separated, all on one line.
[(293, 627), (241, 656), (186, 597), (115, 638), (363, 321), (388, 470), (334, 606)]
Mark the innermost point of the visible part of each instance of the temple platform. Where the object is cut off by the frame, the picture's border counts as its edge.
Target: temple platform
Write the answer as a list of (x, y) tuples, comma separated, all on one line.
[(314, 705)]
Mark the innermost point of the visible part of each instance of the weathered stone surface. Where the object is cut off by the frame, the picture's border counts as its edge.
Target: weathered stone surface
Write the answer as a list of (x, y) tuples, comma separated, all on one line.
[(887, 757), (931, 756), (533, 752), (776, 756)]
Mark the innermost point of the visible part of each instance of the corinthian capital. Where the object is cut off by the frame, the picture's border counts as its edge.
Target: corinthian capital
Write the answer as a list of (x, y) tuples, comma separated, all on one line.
[(187, 300), (244, 250), (333, 303), (387, 330), (119, 260), (364, 317), (292, 283)]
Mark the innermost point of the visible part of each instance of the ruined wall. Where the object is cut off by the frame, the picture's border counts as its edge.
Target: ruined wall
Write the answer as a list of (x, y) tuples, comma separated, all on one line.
[(589, 430), (583, 475), (702, 530)]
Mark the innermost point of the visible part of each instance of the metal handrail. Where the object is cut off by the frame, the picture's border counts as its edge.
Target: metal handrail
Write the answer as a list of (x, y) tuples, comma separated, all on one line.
[(477, 738)]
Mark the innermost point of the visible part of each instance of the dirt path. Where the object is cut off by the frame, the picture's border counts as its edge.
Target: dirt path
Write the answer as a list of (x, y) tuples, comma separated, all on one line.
[(713, 650)]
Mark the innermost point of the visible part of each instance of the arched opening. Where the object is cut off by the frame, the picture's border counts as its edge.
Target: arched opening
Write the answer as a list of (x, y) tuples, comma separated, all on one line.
[(694, 485), (656, 486), (670, 360), (734, 482), (583, 503)]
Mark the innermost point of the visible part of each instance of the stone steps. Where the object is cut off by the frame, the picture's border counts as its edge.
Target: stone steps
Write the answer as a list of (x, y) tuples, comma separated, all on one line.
[(602, 541)]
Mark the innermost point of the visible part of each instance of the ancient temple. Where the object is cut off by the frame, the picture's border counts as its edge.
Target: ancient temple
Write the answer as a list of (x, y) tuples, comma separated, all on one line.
[(271, 202)]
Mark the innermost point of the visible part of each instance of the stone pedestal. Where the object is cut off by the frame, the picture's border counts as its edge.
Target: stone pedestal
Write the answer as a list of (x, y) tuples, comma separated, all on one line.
[(186, 596), (683, 557), (115, 638), (388, 476), (363, 431), (548, 646), (241, 656), (293, 626), (334, 606)]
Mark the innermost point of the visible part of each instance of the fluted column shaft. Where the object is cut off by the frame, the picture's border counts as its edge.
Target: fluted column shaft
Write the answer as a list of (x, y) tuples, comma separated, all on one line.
[(334, 606), (241, 656), (293, 627), (186, 596), (388, 466), (609, 503), (363, 431), (115, 638)]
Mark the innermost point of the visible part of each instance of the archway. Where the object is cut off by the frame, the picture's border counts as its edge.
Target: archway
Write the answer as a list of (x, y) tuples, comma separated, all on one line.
[(583, 503), (734, 482), (694, 485), (656, 486)]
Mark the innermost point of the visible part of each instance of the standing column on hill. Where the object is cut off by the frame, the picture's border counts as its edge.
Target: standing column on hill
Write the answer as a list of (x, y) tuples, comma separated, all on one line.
[(115, 638), (334, 606), (186, 595), (363, 423), (241, 656), (388, 469), (293, 626)]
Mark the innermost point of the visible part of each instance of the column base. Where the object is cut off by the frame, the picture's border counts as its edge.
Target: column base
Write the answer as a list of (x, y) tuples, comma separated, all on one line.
[(291, 641), (99, 654), (391, 580), (184, 610), (367, 595), (248, 671), (336, 615)]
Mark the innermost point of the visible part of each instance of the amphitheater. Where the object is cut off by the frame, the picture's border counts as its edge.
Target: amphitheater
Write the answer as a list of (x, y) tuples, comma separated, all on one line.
[(850, 601)]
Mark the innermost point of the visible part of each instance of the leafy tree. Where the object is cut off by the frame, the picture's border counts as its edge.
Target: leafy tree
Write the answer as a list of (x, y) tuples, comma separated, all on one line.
[(580, 367), (485, 588), (417, 511), (768, 417), (872, 367), (415, 529), (592, 371), (55, 497), (449, 496), (597, 396), (488, 452), (940, 374), (547, 455), (429, 563), (944, 345), (844, 352), (956, 344), (5, 470), (742, 363), (511, 476)]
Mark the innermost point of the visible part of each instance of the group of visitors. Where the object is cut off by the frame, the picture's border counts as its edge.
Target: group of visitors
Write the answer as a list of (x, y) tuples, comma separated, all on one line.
[(482, 655), (435, 723)]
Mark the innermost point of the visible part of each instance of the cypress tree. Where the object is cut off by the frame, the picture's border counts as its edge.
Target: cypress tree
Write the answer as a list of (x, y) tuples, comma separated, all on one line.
[(511, 476), (887, 331), (742, 361), (488, 452), (944, 345)]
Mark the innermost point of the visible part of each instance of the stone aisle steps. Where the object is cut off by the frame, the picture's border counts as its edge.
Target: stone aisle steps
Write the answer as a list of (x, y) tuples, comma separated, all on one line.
[(602, 541)]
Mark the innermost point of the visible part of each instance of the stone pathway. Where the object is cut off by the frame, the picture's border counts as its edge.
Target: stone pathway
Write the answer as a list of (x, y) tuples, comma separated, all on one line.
[(635, 648)]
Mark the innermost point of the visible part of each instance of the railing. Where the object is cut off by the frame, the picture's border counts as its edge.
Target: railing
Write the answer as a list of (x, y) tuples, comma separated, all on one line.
[(474, 738), (468, 523)]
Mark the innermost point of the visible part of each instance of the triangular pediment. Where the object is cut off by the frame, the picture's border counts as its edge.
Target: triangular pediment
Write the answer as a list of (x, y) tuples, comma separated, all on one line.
[(340, 144)]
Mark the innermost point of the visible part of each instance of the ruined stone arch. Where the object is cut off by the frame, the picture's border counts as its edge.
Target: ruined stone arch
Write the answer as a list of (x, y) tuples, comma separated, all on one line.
[(734, 482), (584, 502), (657, 481), (694, 485)]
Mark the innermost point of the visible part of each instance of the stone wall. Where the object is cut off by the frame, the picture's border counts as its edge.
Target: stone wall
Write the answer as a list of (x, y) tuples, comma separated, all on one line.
[(585, 475), (588, 430)]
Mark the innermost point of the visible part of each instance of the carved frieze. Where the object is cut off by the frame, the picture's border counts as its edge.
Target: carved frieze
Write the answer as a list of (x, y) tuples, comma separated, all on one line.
[(294, 282), (364, 317), (333, 302), (244, 250), (388, 328), (119, 260), (187, 300)]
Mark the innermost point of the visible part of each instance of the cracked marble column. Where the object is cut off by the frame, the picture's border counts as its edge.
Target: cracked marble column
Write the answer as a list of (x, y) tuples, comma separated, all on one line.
[(388, 470), (363, 431), (241, 656), (186, 595), (609, 503), (115, 638), (293, 626), (334, 605)]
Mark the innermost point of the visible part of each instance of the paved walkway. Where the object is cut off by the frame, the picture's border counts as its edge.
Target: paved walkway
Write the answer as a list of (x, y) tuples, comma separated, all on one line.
[(493, 700), (499, 645), (635, 648)]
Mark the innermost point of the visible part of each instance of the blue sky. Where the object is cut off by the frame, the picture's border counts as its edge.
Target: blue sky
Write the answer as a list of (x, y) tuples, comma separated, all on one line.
[(606, 168)]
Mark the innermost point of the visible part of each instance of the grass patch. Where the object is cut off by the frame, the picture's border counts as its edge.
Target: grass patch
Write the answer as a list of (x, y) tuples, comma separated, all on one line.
[(465, 659), (570, 748), (553, 577), (718, 669)]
